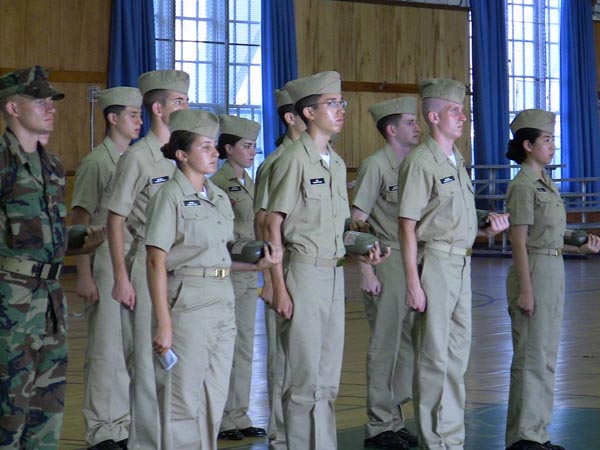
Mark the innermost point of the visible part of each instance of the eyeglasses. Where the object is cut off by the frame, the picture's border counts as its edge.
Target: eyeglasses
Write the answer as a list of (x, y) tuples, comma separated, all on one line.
[(333, 104)]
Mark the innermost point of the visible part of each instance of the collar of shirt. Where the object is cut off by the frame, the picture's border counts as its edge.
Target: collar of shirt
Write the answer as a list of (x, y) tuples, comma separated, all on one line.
[(154, 145), (391, 156), (229, 173), (440, 156), (528, 172), (314, 155), (14, 147), (111, 148)]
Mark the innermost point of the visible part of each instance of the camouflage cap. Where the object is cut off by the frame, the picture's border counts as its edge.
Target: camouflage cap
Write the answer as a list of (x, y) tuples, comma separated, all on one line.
[(320, 83), (122, 96), (238, 126), (172, 80), (196, 121), (29, 82), (282, 98), (443, 88), (402, 105), (534, 118)]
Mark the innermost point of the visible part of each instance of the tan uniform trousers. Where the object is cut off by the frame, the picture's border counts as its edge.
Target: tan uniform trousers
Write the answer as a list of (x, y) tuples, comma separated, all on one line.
[(442, 345), (535, 344), (105, 405), (245, 288), (144, 428), (390, 358), (313, 342), (192, 394), (275, 378)]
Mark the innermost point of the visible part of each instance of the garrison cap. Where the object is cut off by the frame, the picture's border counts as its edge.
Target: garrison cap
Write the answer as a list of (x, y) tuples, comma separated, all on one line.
[(534, 118), (172, 80), (320, 83), (443, 88), (282, 98), (29, 82), (402, 105), (196, 121), (238, 126), (121, 96)]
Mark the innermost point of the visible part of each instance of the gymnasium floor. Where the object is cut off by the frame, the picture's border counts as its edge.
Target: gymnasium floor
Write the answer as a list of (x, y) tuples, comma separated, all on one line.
[(576, 421)]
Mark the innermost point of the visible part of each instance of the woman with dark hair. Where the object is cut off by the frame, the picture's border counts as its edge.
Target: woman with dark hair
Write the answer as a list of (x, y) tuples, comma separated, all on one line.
[(190, 222), (535, 281), (237, 145)]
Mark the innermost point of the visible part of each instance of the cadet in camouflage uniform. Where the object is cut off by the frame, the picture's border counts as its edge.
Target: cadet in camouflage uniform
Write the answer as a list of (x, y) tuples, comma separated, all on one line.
[(308, 198), (437, 227), (275, 357), (141, 172), (390, 356), (535, 282), (105, 381), (33, 347), (237, 144)]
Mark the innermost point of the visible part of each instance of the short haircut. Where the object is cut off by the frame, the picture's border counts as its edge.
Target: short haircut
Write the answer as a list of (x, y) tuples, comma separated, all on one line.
[(114, 109), (226, 139), (516, 152), (432, 104), (283, 110), (311, 100), (155, 96), (382, 124)]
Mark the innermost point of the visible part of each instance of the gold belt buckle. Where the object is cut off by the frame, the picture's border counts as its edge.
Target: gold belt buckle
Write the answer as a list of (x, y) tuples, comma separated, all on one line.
[(221, 273)]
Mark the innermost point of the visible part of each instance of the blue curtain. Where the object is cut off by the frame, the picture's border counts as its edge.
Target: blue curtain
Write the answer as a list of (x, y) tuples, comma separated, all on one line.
[(131, 51), (580, 138), (490, 87), (279, 62)]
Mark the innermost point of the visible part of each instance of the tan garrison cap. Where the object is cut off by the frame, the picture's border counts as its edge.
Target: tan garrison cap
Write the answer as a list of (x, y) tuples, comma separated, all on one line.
[(122, 96), (238, 126), (451, 90), (29, 82), (534, 118), (173, 80), (196, 121), (282, 98), (320, 83), (402, 105)]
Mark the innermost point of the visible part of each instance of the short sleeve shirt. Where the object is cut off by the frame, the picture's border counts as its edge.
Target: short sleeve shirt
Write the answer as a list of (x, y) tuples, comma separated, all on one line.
[(376, 193), (141, 172), (241, 196), (438, 195), (313, 197), (192, 229), (263, 174), (536, 202)]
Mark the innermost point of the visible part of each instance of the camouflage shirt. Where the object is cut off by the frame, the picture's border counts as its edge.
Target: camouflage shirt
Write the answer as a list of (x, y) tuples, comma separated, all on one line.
[(32, 227)]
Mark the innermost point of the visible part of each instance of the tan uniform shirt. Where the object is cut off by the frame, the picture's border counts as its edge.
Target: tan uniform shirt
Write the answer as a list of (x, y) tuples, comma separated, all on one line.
[(376, 193), (313, 197), (141, 172), (263, 174), (193, 230), (93, 182), (536, 202), (241, 196), (438, 195)]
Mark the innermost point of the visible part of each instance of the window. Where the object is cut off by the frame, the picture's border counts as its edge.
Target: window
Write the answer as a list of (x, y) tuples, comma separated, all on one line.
[(218, 43), (533, 31)]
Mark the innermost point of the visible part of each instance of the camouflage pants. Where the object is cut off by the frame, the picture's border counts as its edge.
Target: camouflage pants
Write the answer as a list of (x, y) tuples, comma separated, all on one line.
[(33, 371)]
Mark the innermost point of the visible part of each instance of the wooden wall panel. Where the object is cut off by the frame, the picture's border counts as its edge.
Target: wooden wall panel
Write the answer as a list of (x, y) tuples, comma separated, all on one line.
[(71, 37), (375, 43)]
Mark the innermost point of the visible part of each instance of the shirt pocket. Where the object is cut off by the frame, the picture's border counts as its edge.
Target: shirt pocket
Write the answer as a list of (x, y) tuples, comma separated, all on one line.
[(25, 218), (313, 196), (196, 226), (447, 208)]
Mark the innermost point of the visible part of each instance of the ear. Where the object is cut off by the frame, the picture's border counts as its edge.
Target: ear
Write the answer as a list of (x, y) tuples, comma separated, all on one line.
[(112, 118), (390, 129), (290, 118), (228, 149), (433, 117), (528, 146), (12, 109), (157, 109), (181, 156), (309, 112)]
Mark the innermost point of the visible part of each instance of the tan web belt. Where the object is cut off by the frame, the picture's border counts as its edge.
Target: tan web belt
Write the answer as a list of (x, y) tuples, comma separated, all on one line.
[(45, 271)]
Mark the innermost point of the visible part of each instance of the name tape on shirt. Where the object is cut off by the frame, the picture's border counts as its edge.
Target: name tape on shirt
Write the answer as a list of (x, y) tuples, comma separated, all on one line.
[(234, 188), (160, 180), (393, 188), (449, 179), (317, 181), (192, 203), (541, 189)]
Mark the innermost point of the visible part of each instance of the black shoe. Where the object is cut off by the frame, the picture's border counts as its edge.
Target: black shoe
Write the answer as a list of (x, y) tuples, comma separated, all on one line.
[(550, 446), (122, 444), (231, 435), (527, 445), (106, 445), (406, 435), (387, 439), (253, 432)]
